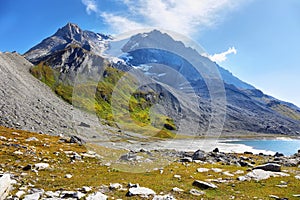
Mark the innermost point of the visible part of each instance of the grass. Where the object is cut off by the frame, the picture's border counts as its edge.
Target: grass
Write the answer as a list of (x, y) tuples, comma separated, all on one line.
[(286, 111), (92, 171), (132, 110)]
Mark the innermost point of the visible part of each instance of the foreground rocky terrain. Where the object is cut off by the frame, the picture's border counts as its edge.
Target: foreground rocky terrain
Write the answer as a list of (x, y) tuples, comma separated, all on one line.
[(37, 166)]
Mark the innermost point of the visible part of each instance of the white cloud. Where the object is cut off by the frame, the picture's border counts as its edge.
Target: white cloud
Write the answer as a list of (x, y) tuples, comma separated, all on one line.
[(91, 6), (221, 57), (120, 24), (186, 17)]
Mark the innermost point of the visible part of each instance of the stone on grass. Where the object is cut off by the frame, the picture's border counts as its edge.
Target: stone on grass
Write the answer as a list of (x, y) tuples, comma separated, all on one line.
[(199, 155), (140, 191), (270, 167), (86, 189), (97, 196), (41, 166), (20, 193), (176, 189), (163, 197), (177, 176), (259, 174), (227, 173), (68, 176), (297, 177), (35, 196), (204, 185), (31, 139), (186, 159), (201, 170), (196, 192), (216, 170), (5, 186), (115, 186)]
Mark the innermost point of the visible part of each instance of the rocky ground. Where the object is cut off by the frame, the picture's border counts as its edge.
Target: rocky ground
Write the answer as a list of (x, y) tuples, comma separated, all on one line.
[(28, 104), (37, 166)]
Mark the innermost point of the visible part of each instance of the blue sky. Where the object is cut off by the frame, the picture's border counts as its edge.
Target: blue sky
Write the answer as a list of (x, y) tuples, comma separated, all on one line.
[(258, 41)]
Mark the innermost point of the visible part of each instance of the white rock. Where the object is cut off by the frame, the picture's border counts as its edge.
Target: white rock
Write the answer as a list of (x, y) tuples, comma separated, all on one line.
[(19, 194), (18, 152), (86, 189), (217, 170), (96, 196), (204, 185), (115, 186), (88, 155), (5, 186), (201, 170), (177, 176), (176, 189), (3, 138), (242, 178), (68, 176), (35, 196), (140, 191), (196, 192), (51, 194), (297, 177), (79, 195), (41, 166), (31, 139), (164, 197), (239, 172), (274, 196), (259, 174), (227, 174)]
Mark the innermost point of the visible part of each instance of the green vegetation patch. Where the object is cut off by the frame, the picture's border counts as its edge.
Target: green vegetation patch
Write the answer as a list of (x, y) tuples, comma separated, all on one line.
[(132, 108)]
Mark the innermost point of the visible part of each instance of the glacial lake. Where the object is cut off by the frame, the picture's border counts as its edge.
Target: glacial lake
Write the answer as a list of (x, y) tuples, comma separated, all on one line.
[(287, 147)]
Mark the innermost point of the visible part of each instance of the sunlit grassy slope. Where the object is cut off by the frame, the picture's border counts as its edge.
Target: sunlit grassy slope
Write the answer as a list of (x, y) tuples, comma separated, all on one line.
[(97, 97)]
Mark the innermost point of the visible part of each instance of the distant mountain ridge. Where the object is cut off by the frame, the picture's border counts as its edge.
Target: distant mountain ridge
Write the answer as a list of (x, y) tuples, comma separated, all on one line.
[(71, 51)]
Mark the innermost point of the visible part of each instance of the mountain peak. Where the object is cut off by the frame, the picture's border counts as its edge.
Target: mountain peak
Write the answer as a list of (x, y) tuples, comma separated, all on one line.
[(70, 30)]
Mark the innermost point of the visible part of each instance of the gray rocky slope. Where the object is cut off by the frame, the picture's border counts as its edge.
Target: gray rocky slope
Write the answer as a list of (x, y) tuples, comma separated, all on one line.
[(28, 104)]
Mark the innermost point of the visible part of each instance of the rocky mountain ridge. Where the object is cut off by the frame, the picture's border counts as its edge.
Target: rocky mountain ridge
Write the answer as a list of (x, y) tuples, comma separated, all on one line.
[(72, 51)]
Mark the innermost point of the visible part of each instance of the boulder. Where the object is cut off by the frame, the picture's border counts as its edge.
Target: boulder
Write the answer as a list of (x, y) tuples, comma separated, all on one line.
[(270, 167), (204, 185), (97, 196), (277, 154), (76, 139), (41, 166), (35, 196), (199, 155), (20, 193), (186, 159), (140, 191), (5, 186), (259, 174), (115, 186)]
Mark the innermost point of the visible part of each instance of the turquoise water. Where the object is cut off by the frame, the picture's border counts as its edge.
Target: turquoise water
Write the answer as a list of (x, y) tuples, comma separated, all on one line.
[(287, 147)]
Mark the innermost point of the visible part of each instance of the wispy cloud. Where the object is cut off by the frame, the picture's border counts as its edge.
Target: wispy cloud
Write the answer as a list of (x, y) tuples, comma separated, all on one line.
[(185, 17), (120, 24), (91, 6), (221, 57)]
